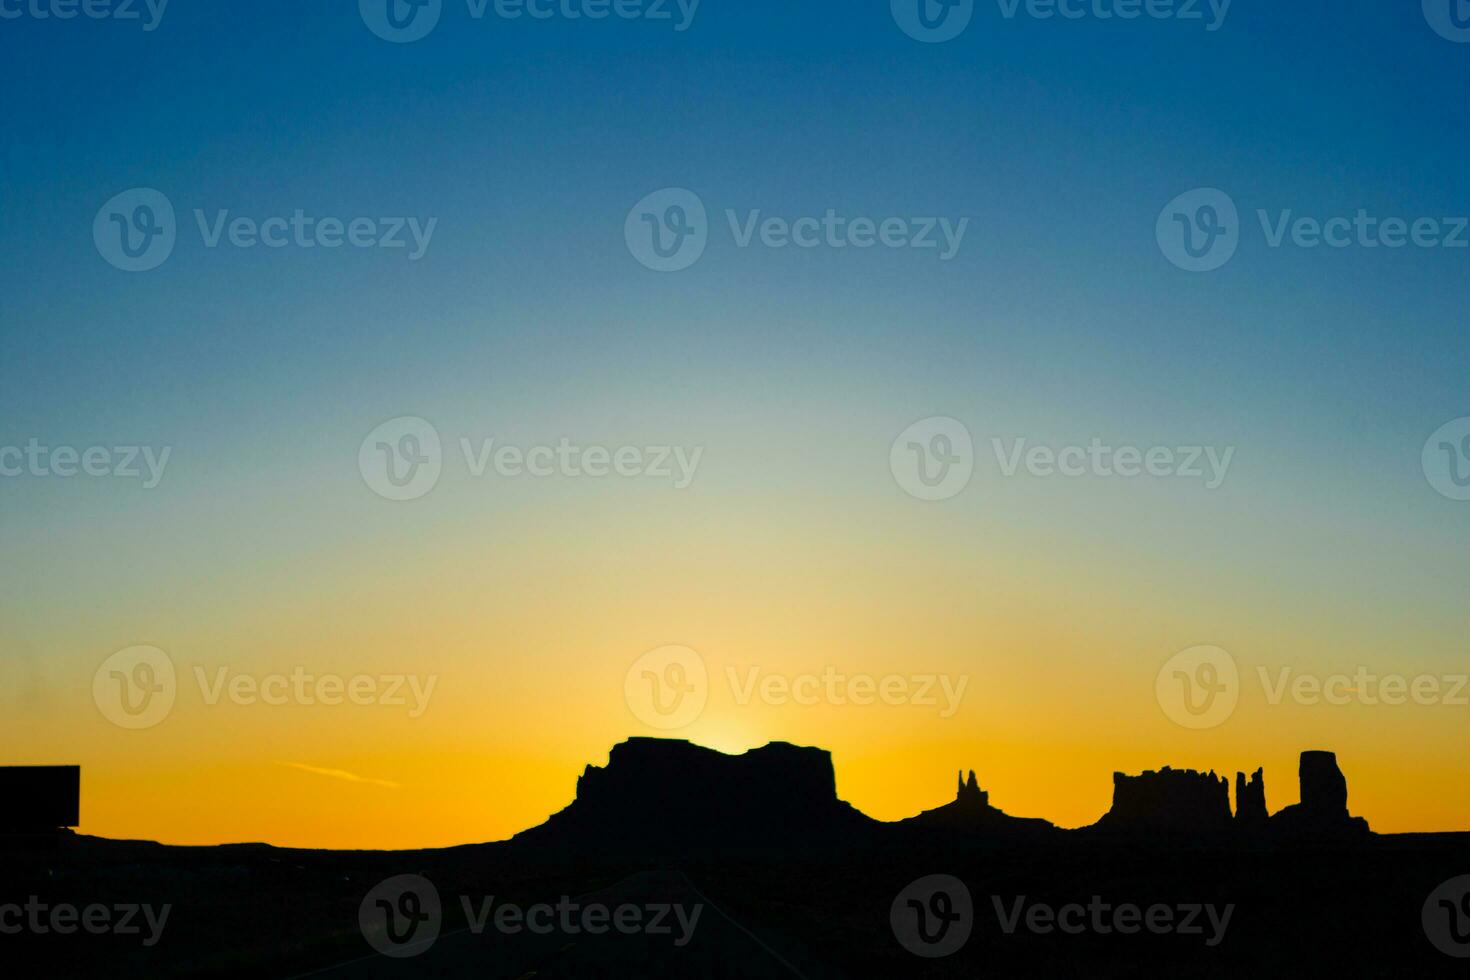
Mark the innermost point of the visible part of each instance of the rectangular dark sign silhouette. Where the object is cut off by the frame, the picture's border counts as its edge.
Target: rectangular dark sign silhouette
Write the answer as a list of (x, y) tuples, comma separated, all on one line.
[(40, 797)]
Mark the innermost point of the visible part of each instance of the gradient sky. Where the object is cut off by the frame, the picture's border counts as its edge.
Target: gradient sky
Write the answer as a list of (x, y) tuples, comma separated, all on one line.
[(795, 549)]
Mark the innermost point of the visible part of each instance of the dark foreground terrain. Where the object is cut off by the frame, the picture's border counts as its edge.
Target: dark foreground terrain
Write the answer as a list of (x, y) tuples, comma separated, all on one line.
[(1350, 911), (675, 861)]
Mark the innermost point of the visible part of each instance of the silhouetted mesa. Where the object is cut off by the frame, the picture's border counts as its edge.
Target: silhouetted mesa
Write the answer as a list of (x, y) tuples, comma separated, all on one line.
[(671, 795), (39, 800), (1169, 801), (1323, 808), (1250, 801)]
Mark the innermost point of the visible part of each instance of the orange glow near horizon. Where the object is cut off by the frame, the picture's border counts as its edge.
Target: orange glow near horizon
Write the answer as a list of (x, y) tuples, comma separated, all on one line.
[(528, 628)]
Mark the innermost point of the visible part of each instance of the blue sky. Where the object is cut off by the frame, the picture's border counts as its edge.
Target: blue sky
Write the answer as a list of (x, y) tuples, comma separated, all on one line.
[(528, 142)]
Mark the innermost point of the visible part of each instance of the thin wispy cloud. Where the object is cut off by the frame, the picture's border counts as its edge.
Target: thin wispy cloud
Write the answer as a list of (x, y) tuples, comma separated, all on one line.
[(342, 774)]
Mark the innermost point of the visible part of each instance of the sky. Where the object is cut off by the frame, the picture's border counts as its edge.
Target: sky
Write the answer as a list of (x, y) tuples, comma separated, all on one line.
[(529, 153)]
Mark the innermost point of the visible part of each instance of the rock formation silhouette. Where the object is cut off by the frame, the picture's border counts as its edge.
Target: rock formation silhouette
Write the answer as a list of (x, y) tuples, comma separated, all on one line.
[(39, 800), (970, 794), (1175, 801), (666, 795), (971, 811), (1323, 808), (1171, 801), (1250, 801)]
